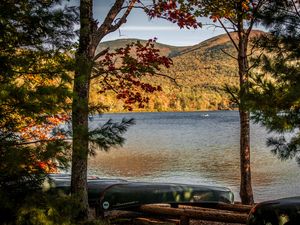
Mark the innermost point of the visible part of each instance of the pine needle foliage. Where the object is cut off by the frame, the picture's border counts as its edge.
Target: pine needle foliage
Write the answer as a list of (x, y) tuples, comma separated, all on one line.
[(109, 135), (35, 37), (275, 88)]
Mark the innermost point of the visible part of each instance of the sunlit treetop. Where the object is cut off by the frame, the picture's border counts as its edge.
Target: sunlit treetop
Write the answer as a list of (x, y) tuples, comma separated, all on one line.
[(176, 11), (229, 9), (187, 13)]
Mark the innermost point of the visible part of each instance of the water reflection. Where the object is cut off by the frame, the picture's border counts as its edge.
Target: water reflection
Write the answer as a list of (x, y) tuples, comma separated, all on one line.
[(123, 163), (190, 148)]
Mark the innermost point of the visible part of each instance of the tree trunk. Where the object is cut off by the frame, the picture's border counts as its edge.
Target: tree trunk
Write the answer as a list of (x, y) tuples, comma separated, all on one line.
[(80, 138), (80, 109), (246, 193)]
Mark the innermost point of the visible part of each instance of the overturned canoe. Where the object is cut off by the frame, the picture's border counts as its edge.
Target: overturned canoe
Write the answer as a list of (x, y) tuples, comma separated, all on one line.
[(280, 211), (109, 194)]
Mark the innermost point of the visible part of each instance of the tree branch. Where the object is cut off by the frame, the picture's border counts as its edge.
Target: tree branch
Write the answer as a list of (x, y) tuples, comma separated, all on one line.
[(295, 7), (167, 76), (231, 21), (123, 18), (252, 21), (234, 98), (229, 35), (226, 53), (98, 74), (253, 48), (109, 85), (103, 52), (216, 26), (107, 26), (254, 64), (38, 141)]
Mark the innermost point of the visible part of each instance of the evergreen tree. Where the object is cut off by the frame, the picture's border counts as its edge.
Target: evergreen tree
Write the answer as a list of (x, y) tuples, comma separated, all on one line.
[(34, 83), (275, 88)]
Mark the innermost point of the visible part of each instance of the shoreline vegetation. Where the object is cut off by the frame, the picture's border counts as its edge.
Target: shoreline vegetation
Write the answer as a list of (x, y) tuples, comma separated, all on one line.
[(173, 111)]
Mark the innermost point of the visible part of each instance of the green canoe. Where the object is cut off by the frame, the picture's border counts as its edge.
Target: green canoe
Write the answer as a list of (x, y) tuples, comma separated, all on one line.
[(109, 194), (285, 211)]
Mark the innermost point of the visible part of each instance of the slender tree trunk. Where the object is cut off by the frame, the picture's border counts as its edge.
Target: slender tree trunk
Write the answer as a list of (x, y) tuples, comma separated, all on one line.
[(90, 37), (80, 109), (246, 193), (80, 138)]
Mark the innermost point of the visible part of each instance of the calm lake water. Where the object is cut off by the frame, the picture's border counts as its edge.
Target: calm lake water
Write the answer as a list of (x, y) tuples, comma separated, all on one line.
[(195, 148)]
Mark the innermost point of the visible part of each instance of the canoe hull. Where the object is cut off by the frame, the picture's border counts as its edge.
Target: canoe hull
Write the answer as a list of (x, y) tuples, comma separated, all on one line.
[(110, 194), (139, 193)]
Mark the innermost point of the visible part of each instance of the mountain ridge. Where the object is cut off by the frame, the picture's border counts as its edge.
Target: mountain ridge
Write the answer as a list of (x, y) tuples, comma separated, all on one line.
[(201, 71)]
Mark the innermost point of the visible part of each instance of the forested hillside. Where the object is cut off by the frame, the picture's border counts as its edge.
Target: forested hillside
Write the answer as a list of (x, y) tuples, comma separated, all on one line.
[(200, 71)]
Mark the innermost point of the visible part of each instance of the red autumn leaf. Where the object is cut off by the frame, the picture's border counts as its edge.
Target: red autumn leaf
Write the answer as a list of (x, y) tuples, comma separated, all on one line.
[(124, 68)]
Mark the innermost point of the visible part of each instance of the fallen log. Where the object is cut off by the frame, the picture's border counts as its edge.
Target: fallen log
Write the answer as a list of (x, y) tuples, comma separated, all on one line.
[(212, 215), (223, 206), (150, 221), (133, 217)]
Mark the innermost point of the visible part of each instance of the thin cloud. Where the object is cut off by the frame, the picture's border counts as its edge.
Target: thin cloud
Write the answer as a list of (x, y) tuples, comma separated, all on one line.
[(149, 28)]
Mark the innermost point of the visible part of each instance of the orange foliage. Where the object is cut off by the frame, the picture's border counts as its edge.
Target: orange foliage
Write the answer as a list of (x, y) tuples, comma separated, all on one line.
[(42, 132)]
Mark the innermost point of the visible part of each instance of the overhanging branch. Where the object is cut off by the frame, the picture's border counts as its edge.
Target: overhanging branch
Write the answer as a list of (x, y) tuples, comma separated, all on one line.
[(107, 26), (103, 52), (123, 18)]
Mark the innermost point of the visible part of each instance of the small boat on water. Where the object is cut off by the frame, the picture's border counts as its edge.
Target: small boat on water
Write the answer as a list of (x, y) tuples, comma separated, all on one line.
[(110, 194)]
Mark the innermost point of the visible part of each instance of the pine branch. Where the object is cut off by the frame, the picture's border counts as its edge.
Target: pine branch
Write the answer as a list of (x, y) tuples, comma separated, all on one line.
[(38, 142), (110, 134)]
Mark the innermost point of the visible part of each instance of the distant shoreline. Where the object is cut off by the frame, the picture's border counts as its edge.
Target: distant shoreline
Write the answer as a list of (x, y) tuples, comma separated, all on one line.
[(204, 111)]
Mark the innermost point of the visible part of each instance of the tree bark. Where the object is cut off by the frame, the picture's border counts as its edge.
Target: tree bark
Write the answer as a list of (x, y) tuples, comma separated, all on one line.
[(90, 37), (80, 109), (246, 193)]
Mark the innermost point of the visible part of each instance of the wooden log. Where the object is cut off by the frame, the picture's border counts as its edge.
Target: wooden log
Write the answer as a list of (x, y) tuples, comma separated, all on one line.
[(203, 209), (235, 208), (120, 216), (184, 220), (151, 221), (196, 214), (117, 214), (230, 207)]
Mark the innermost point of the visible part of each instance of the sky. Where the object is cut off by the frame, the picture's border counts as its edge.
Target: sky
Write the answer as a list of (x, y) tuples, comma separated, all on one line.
[(139, 26)]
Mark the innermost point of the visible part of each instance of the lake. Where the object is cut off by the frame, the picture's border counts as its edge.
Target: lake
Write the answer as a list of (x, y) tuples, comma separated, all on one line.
[(195, 148)]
